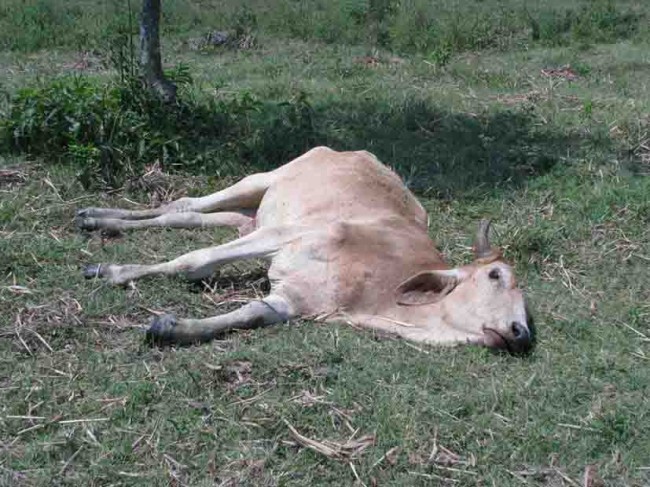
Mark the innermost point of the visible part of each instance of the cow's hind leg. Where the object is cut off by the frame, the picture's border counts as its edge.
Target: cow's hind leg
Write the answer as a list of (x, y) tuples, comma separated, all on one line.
[(246, 194), (167, 329), (199, 264), (242, 220)]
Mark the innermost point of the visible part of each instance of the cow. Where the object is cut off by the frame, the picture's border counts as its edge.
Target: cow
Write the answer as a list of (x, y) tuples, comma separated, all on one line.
[(347, 241)]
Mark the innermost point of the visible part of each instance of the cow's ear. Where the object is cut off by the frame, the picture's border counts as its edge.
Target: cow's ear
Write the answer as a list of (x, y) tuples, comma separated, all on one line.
[(428, 287)]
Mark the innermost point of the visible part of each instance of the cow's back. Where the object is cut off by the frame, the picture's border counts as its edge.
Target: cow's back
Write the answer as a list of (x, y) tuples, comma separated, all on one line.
[(324, 186)]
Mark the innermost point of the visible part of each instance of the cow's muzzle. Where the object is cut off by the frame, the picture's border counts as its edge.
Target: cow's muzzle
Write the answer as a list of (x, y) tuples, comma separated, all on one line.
[(516, 339)]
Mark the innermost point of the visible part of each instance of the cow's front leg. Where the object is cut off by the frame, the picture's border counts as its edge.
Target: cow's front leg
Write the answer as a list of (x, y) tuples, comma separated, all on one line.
[(168, 329), (200, 264)]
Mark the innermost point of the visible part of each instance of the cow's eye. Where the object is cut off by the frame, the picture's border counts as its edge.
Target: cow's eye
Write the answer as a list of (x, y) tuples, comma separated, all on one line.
[(494, 274)]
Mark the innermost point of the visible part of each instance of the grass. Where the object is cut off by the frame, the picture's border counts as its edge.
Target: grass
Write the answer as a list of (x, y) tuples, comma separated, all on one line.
[(560, 165), (435, 29)]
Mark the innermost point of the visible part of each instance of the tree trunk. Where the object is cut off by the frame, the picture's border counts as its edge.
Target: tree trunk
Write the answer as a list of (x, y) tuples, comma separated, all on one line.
[(150, 62)]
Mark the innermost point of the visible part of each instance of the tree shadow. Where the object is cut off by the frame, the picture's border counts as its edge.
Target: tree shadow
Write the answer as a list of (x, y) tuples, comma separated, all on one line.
[(436, 151), (242, 280), (442, 152)]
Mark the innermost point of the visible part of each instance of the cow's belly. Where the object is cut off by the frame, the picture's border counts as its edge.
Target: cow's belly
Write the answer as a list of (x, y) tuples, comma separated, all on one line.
[(351, 266)]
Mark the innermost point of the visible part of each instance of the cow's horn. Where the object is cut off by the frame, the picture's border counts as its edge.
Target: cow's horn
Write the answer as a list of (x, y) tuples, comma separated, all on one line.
[(482, 247)]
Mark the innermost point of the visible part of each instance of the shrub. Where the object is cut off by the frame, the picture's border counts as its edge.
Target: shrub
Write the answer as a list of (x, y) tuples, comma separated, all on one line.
[(101, 128), (112, 130)]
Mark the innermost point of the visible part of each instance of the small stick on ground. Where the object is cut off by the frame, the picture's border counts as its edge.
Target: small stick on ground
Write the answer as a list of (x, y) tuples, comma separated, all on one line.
[(338, 451), (67, 464)]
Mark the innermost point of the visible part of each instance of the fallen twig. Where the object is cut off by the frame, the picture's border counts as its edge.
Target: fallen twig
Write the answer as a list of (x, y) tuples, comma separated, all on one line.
[(69, 461), (338, 451)]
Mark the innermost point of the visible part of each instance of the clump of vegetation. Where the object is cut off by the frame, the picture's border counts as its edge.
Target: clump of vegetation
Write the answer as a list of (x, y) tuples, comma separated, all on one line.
[(110, 130), (600, 21)]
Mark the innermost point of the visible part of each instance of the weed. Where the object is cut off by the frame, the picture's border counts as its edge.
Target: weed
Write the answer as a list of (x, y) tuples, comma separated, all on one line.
[(93, 125), (244, 22), (600, 21)]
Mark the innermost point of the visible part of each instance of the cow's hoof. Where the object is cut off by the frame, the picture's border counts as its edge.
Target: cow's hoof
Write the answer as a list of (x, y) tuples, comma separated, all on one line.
[(93, 271), (161, 331), (86, 223)]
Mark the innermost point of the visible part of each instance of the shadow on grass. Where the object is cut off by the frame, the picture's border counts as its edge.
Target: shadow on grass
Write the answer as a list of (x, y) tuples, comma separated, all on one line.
[(436, 151), (245, 281), (443, 153)]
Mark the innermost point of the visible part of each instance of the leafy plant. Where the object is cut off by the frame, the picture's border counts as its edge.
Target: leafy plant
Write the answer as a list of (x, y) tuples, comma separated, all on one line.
[(111, 130)]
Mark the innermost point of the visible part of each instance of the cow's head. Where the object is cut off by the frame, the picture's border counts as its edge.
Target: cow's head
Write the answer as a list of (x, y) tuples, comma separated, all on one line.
[(480, 300)]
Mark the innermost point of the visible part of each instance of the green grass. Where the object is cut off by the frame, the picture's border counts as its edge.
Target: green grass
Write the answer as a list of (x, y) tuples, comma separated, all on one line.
[(435, 29), (560, 166)]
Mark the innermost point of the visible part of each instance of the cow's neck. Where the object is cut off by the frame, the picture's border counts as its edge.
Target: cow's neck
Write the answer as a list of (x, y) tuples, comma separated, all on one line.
[(427, 323)]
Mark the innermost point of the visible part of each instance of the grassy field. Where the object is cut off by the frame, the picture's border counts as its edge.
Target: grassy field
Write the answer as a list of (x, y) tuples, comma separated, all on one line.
[(539, 119)]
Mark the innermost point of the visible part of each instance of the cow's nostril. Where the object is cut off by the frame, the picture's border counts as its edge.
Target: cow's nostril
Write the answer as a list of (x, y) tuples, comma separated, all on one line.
[(518, 330)]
